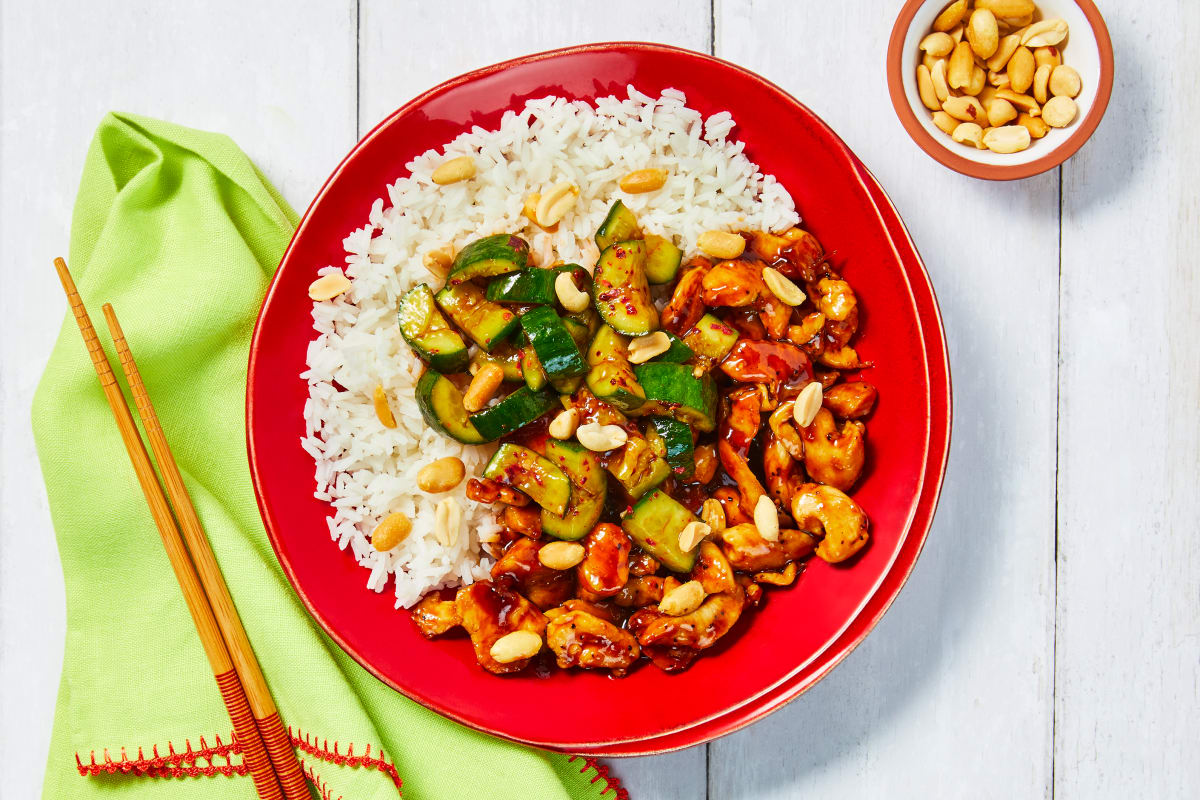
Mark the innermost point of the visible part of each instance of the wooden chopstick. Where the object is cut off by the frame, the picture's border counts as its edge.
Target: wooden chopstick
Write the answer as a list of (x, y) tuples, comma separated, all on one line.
[(279, 746), (266, 782)]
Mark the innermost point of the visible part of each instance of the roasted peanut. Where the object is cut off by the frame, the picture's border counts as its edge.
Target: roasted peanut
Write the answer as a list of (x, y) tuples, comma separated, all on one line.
[(967, 133), (721, 244), (439, 260), (925, 89), (1047, 55), (563, 426), (391, 531), (982, 33), (1036, 126), (978, 81), (1041, 80), (1006, 139), (1021, 101), (515, 646), (706, 464), (601, 438), (1020, 70), (683, 599), (951, 15), (1047, 33), (713, 514), (937, 44), (789, 293), (1007, 8), (808, 403), (643, 180), (454, 170), (937, 77), (483, 387), (328, 286), (998, 80), (766, 519), (962, 62), (644, 348), (964, 109), (382, 410), (945, 122), (571, 296), (1004, 50), (1064, 81), (1060, 111), (692, 534), (441, 475), (929, 60), (1000, 112), (561, 555), (555, 203), (447, 519)]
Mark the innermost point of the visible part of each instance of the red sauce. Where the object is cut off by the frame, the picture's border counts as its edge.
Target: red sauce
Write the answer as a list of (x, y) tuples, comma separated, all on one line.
[(779, 363)]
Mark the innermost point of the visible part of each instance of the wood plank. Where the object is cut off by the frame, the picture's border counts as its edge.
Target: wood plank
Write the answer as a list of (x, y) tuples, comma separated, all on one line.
[(951, 694), (403, 54), (1128, 641), (278, 77)]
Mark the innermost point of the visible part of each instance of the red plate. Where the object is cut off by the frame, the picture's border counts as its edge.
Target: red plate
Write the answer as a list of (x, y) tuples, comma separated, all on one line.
[(801, 633)]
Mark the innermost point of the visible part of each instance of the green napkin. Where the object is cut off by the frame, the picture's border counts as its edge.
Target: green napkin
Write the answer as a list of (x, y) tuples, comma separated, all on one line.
[(181, 233)]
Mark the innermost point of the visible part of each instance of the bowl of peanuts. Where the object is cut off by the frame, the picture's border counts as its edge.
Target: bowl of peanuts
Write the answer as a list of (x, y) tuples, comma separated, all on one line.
[(1000, 89)]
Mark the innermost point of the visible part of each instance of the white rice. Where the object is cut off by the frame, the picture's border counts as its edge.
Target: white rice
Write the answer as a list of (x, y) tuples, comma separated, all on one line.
[(366, 471)]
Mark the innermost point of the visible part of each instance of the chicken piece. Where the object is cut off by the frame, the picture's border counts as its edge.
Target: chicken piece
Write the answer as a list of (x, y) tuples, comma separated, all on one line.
[(780, 470), (602, 609), (739, 425), (605, 566), (526, 521), (580, 639), (642, 563), (488, 491), (774, 315), (490, 610), (784, 577), (795, 253), (807, 334), (640, 592), (746, 322), (835, 299), (782, 365), (713, 570), (670, 659), (731, 504), (853, 400), (697, 630), (844, 358), (748, 551), (434, 616), (825, 509), (544, 587), (686, 305), (706, 464), (837, 333), (831, 457), (735, 283)]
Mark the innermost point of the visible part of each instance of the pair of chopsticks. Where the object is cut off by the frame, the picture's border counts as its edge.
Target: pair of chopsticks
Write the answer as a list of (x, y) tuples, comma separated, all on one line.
[(256, 724)]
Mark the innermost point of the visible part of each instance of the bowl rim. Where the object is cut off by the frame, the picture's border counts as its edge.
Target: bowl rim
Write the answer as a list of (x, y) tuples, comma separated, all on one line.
[(944, 155), (925, 501)]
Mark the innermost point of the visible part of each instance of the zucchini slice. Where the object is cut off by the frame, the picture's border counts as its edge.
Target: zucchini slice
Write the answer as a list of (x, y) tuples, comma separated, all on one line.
[(537, 477), (610, 376), (711, 338), (589, 488), (655, 524), (639, 467), (441, 405), (662, 259), (620, 224), (486, 323), (533, 286), (553, 343), (674, 440), (677, 353), (428, 334), (620, 291), (489, 256), (672, 390), (513, 412), (507, 359)]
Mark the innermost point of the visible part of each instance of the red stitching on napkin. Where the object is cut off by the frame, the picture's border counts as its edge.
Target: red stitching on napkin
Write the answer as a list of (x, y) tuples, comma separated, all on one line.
[(611, 782), (319, 748), (174, 764)]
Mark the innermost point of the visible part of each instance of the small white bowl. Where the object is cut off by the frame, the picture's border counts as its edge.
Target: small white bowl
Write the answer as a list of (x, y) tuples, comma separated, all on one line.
[(1087, 48)]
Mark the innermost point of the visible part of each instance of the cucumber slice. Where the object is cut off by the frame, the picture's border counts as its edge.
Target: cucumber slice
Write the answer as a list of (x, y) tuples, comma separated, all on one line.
[(711, 338), (441, 405), (533, 286), (566, 385), (531, 369), (620, 291), (553, 343), (677, 353), (589, 488), (619, 225), (428, 334), (513, 412), (672, 390), (486, 323), (607, 345), (491, 255), (662, 259), (579, 332), (537, 477), (507, 359), (587, 318), (674, 438), (655, 524), (610, 377), (639, 468)]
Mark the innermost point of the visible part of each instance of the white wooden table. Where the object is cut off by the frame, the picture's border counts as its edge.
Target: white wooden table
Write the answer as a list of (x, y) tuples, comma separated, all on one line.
[(1048, 643)]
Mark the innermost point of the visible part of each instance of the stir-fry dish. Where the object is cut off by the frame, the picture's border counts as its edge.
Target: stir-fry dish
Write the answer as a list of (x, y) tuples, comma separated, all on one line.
[(673, 437)]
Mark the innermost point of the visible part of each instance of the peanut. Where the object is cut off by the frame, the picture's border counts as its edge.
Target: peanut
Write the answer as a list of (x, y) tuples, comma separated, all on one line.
[(965, 109), (438, 260), (1000, 112), (1060, 111), (515, 646), (929, 60), (692, 535), (978, 81), (529, 209), (1021, 101), (766, 519), (951, 15), (967, 133), (1020, 70), (945, 122), (998, 80), (561, 555), (938, 77), (441, 475), (808, 402), (982, 33), (1047, 33), (454, 170), (643, 180), (447, 519), (382, 410), (563, 426), (1036, 126), (938, 44), (1007, 8), (683, 599), (721, 244), (1004, 50), (391, 531), (713, 514), (644, 348), (554, 204), (571, 296), (956, 33), (601, 438), (1041, 79), (789, 293), (1064, 81), (958, 72), (925, 88), (483, 387), (1047, 55), (1006, 139), (328, 286)]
